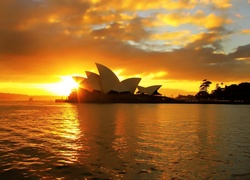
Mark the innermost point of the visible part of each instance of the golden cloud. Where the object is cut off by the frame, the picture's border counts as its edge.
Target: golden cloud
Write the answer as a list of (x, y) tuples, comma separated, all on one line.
[(131, 5), (198, 19), (221, 4), (170, 35), (245, 31), (51, 37)]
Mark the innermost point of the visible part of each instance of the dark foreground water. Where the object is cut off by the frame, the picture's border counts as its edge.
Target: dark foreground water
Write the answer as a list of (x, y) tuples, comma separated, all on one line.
[(124, 141)]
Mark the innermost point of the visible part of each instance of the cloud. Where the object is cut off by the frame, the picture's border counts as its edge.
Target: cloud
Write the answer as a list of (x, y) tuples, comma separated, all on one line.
[(45, 38), (220, 4), (241, 51), (187, 63), (131, 5), (132, 31), (198, 19), (245, 31)]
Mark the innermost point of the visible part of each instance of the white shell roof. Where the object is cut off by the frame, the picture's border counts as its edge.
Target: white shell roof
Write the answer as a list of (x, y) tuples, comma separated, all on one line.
[(131, 84), (109, 80), (78, 79), (94, 81), (81, 81), (149, 90)]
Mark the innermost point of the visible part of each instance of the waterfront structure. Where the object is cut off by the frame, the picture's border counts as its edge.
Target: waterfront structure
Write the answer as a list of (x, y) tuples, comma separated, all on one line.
[(106, 87), (149, 90)]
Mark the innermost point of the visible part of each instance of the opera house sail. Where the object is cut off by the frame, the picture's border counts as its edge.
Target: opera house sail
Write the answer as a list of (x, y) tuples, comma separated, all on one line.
[(106, 87)]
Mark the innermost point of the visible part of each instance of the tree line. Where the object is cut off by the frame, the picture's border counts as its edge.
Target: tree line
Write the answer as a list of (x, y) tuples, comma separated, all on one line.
[(232, 92)]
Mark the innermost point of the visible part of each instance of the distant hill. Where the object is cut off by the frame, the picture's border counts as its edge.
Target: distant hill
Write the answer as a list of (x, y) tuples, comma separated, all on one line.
[(23, 97), (9, 97)]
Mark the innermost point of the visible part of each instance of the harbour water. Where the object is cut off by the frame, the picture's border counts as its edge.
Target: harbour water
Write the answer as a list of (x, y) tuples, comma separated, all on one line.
[(47, 140)]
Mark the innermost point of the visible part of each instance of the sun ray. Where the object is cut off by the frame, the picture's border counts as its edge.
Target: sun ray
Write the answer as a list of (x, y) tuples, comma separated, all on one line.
[(63, 87)]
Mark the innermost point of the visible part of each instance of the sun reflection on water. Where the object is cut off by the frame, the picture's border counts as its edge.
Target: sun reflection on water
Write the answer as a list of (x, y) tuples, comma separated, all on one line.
[(123, 141), (68, 132)]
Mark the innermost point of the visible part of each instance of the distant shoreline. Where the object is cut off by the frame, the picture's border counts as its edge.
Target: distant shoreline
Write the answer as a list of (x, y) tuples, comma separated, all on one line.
[(169, 101), (25, 97), (213, 102)]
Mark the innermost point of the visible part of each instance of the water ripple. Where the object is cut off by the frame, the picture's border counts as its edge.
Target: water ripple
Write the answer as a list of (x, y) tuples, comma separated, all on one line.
[(123, 141)]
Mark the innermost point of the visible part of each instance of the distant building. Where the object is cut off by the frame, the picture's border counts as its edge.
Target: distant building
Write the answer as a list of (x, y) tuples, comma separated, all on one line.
[(186, 98), (106, 87)]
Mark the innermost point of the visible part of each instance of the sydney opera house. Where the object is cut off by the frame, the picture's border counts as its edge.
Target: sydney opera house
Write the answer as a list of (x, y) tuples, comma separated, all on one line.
[(105, 87)]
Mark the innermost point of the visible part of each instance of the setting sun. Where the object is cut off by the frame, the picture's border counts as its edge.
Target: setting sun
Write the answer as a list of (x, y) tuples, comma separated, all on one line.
[(64, 87)]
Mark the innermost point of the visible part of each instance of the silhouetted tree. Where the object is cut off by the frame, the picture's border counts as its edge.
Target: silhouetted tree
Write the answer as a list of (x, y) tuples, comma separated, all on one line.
[(203, 93), (218, 92), (237, 92), (233, 92), (205, 85)]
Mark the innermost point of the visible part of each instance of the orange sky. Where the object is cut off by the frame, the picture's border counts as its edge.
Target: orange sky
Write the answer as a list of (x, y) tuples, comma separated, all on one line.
[(169, 42)]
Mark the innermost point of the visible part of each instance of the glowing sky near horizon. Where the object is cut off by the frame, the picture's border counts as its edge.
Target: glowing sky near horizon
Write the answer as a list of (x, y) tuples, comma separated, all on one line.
[(176, 43)]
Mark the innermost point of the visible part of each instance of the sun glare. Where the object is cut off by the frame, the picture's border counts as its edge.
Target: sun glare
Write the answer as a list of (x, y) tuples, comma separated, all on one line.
[(64, 87)]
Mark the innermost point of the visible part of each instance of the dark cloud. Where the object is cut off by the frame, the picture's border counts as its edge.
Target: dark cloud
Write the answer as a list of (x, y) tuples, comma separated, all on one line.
[(39, 39), (16, 42), (182, 64), (241, 52), (188, 64), (133, 31)]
